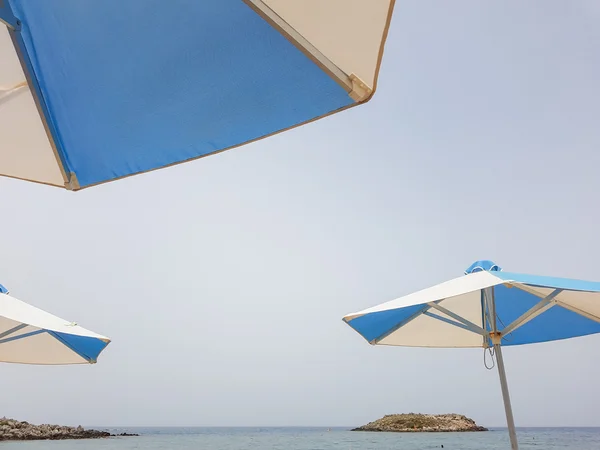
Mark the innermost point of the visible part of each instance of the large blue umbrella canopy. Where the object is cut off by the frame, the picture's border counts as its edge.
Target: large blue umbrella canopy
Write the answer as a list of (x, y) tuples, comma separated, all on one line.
[(93, 91), (488, 308)]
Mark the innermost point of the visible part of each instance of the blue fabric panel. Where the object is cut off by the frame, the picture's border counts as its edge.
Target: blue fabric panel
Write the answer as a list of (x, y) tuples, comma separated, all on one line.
[(554, 324), (3, 290), (374, 325), (6, 14), (136, 85), (87, 347), (551, 282)]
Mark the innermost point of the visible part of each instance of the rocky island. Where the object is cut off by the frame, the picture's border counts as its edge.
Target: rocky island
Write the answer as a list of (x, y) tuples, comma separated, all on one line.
[(14, 430), (410, 423)]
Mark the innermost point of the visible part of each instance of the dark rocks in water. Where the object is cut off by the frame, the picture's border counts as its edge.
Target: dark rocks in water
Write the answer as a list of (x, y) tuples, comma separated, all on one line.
[(424, 423), (14, 430)]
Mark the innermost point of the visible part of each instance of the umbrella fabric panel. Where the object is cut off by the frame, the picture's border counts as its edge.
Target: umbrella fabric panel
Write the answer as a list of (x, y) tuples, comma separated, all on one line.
[(38, 347), (87, 347), (27, 335), (12, 328), (422, 326), (25, 151), (588, 302), (550, 282), (554, 324), (19, 312), (376, 325), (138, 85), (435, 328), (448, 289), (349, 33)]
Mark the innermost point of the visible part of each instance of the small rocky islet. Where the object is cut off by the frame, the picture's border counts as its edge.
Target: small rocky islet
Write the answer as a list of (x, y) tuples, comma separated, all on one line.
[(14, 430), (424, 423)]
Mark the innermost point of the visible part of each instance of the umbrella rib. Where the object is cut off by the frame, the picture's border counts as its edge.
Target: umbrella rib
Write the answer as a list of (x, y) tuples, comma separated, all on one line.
[(399, 325), (280, 24), (539, 308), (22, 336), (464, 323), (579, 311), (449, 322), (13, 330), (527, 289)]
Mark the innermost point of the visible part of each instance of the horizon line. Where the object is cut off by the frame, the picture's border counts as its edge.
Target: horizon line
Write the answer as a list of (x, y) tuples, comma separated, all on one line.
[(491, 427)]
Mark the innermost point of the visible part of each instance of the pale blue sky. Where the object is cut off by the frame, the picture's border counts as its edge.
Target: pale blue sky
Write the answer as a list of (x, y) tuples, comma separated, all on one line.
[(222, 282)]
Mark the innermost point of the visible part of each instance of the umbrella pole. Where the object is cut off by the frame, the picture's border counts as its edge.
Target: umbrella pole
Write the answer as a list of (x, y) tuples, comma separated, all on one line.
[(506, 397), (496, 338)]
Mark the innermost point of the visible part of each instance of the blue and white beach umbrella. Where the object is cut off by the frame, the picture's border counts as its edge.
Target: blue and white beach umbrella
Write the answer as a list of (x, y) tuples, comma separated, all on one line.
[(93, 91), (486, 308), (29, 335)]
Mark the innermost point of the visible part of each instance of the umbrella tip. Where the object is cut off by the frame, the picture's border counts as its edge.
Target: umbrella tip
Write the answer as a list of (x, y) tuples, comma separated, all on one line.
[(483, 265)]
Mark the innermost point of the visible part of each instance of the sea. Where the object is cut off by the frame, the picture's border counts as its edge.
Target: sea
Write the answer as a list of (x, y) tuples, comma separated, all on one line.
[(321, 439)]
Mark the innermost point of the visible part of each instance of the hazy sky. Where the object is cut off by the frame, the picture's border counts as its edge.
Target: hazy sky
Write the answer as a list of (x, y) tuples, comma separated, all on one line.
[(222, 282)]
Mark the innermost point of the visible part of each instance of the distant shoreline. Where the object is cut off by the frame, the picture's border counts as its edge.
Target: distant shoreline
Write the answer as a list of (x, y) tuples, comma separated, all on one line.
[(15, 430)]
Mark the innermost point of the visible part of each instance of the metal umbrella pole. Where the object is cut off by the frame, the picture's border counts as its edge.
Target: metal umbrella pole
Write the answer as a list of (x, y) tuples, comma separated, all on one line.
[(496, 338), (505, 396)]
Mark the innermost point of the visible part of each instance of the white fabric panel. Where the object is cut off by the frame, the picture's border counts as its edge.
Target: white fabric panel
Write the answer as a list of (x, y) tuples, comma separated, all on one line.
[(348, 32), (21, 312), (25, 151), (455, 287), (425, 331), (39, 349)]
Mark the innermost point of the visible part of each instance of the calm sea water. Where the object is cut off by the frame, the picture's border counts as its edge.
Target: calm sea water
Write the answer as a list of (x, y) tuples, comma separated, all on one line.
[(322, 439)]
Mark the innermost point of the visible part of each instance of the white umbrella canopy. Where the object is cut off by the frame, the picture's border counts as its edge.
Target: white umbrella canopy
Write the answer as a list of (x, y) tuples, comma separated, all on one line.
[(29, 335), (486, 308)]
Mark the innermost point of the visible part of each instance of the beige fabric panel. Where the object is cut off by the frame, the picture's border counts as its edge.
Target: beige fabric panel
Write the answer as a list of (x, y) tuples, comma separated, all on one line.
[(25, 151), (426, 331), (467, 306), (348, 32), (8, 324), (588, 302), (39, 349)]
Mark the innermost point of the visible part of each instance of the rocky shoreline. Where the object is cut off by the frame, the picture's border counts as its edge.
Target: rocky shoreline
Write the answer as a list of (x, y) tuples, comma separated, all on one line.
[(424, 423), (14, 430)]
